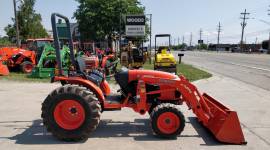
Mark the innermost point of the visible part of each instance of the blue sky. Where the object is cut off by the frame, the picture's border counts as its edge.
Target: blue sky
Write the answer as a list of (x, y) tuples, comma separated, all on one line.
[(177, 17)]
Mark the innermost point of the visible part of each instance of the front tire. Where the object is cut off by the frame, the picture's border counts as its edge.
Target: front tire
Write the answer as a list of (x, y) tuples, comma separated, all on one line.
[(71, 113), (167, 121), (27, 67)]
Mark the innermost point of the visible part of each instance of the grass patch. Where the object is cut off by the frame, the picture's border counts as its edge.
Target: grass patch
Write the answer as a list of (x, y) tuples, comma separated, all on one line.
[(13, 76), (190, 72)]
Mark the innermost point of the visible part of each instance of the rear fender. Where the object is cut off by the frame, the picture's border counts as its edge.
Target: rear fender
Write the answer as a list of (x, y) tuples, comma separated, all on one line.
[(105, 87), (86, 83)]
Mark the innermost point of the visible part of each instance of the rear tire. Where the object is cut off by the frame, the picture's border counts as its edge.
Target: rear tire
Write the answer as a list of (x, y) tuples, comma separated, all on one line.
[(167, 121), (27, 67), (71, 113)]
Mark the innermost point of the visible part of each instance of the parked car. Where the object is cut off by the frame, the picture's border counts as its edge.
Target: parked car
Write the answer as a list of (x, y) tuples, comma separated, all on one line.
[(261, 50)]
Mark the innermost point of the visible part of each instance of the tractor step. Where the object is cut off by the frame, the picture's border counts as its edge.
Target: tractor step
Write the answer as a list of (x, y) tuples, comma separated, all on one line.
[(113, 103), (114, 99)]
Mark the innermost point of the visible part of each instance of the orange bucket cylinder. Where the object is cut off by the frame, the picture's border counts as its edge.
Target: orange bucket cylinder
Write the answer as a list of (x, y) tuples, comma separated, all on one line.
[(223, 122)]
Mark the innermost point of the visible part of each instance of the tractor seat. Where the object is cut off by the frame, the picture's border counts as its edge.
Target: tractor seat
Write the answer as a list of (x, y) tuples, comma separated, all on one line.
[(121, 78), (81, 64)]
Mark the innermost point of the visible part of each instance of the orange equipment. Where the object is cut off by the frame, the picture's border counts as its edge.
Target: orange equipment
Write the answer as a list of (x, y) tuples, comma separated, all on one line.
[(24, 58), (72, 112), (3, 69)]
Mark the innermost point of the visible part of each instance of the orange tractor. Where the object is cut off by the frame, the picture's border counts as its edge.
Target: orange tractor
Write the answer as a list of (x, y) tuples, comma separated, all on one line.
[(24, 58), (72, 112), (3, 69)]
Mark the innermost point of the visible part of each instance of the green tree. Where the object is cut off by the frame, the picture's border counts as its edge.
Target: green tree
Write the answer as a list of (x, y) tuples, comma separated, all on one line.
[(202, 46), (100, 18), (29, 22), (4, 41)]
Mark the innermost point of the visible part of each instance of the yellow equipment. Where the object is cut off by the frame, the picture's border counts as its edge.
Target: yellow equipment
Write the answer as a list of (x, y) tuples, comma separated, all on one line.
[(164, 59), (132, 57)]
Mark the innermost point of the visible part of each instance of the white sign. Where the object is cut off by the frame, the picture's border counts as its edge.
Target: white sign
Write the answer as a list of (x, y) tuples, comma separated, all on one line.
[(135, 30)]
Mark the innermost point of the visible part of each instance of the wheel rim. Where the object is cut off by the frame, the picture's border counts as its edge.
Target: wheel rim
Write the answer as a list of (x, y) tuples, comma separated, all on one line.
[(28, 68), (168, 122), (69, 114)]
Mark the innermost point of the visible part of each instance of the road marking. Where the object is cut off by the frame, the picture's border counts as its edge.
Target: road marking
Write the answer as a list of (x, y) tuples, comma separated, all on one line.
[(252, 67)]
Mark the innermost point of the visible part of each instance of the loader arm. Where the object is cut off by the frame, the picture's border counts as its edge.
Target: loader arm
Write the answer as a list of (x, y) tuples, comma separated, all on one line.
[(194, 100)]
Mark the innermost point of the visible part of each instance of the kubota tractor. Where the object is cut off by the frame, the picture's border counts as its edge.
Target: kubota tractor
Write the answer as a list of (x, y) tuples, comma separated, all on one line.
[(72, 112), (24, 58), (17, 58), (97, 58)]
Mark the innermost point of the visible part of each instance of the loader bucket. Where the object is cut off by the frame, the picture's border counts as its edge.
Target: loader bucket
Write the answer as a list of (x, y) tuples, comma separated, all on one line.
[(223, 123), (3, 70)]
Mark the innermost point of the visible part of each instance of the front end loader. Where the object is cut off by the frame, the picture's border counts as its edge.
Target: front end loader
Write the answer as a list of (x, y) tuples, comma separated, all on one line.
[(72, 112), (47, 62)]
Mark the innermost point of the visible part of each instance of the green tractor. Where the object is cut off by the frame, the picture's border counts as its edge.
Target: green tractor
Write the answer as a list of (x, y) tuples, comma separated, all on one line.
[(47, 62)]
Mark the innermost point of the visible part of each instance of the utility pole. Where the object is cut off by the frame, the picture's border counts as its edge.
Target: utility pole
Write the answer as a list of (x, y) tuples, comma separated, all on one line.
[(256, 40), (218, 38), (190, 40), (120, 25), (201, 34), (150, 59), (269, 34), (243, 24), (200, 38), (178, 41), (17, 24), (183, 39)]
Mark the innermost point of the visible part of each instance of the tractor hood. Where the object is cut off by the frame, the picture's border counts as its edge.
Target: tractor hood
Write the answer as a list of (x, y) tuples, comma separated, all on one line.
[(124, 77), (9, 52), (137, 74)]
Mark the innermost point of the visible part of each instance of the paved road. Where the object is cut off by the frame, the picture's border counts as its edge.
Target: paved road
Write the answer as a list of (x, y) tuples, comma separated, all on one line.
[(252, 69)]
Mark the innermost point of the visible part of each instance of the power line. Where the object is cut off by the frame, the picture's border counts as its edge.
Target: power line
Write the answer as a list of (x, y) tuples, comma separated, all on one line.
[(243, 24)]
